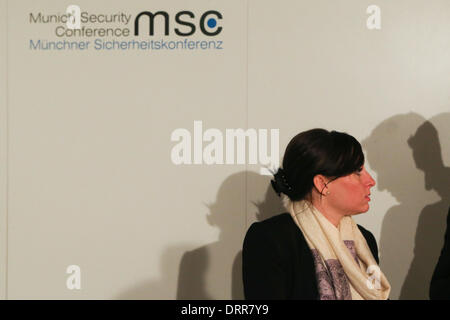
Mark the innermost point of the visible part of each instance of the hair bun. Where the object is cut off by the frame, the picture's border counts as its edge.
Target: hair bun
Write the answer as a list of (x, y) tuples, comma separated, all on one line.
[(280, 183)]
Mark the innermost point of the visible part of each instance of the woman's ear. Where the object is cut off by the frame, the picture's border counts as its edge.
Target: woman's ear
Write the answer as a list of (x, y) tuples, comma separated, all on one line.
[(320, 183)]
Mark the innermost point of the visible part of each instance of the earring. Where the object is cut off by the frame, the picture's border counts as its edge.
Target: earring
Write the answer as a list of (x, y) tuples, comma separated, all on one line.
[(328, 192)]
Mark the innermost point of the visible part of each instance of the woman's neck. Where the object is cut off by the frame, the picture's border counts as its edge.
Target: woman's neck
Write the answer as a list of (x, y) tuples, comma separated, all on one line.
[(328, 212)]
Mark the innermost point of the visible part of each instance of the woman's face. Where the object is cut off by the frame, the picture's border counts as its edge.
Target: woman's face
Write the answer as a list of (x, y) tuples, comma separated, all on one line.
[(351, 194)]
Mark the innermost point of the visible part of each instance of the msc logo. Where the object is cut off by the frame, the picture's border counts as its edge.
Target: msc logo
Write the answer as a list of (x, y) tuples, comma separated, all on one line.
[(208, 22)]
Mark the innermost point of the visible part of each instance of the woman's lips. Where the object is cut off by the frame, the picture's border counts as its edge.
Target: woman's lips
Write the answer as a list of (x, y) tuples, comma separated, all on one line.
[(368, 198)]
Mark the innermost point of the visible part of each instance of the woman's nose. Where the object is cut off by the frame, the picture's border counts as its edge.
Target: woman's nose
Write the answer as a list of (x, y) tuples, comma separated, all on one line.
[(370, 181)]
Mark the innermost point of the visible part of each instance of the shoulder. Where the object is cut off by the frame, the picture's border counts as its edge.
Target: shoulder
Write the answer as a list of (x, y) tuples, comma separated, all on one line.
[(448, 217), (275, 224), (277, 229), (367, 234), (371, 241)]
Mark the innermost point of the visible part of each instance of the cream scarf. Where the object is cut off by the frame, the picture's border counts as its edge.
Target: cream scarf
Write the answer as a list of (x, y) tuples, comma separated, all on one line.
[(345, 266)]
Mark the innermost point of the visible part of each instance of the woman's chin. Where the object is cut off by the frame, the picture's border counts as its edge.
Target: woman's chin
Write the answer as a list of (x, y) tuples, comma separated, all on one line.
[(362, 210), (366, 208)]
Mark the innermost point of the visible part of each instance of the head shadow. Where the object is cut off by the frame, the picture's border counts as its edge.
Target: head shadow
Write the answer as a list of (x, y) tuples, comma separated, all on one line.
[(406, 154), (428, 144), (214, 271)]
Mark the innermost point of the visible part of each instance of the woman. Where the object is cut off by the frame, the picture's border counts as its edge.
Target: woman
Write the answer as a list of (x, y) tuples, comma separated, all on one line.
[(316, 251)]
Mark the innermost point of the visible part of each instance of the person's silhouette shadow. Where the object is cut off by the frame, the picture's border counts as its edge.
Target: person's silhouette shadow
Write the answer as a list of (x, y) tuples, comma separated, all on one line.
[(408, 243), (428, 156), (205, 272), (161, 288)]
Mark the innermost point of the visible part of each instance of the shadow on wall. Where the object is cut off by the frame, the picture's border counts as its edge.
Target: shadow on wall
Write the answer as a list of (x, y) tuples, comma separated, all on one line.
[(162, 288), (207, 270), (213, 271), (405, 151)]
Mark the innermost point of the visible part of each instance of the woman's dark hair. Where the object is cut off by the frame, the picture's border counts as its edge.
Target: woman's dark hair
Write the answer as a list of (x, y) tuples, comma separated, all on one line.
[(317, 151)]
